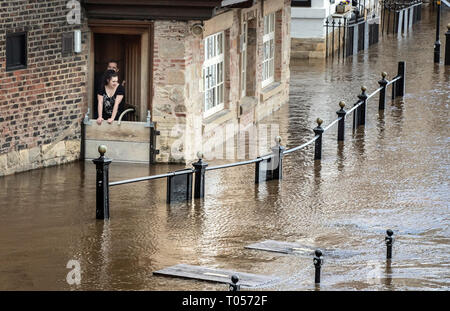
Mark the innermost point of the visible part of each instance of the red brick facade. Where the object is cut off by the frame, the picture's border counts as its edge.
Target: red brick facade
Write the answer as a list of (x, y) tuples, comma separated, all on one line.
[(43, 103)]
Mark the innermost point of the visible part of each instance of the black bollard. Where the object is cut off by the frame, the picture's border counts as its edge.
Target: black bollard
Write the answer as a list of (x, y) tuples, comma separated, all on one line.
[(447, 46), (234, 286), (277, 160), (199, 169), (383, 82), (102, 184), (341, 124), (437, 44), (362, 109), (318, 260), (400, 84), (389, 241), (318, 147)]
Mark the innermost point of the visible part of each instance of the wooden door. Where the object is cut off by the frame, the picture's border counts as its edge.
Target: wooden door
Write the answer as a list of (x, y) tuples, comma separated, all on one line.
[(132, 53)]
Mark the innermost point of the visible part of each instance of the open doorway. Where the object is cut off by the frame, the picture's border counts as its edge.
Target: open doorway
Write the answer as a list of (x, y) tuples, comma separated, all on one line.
[(126, 51), (129, 44)]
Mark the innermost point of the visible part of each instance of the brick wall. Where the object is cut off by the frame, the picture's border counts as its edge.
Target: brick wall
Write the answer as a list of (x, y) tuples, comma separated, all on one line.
[(41, 106)]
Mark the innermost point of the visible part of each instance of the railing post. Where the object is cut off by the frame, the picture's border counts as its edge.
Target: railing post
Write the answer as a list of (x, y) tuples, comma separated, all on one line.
[(383, 82), (394, 88), (362, 109), (277, 160), (318, 147), (234, 286), (389, 241), (102, 184), (400, 84), (199, 170), (341, 124), (318, 260), (326, 38), (447, 46), (437, 44)]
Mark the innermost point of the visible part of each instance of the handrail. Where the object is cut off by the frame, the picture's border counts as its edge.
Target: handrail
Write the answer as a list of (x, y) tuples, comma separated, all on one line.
[(393, 80), (129, 181), (354, 107), (374, 92), (332, 123), (123, 113), (233, 164), (301, 146)]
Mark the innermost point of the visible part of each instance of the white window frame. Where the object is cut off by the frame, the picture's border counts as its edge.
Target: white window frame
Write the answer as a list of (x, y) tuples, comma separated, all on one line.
[(213, 71), (244, 59), (268, 65)]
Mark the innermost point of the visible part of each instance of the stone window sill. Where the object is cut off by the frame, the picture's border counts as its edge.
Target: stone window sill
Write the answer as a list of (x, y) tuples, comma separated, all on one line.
[(271, 90), (218, 116)]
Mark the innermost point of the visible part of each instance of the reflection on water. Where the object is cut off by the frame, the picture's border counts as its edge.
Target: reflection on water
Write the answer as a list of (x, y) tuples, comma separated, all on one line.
[(393, 173)]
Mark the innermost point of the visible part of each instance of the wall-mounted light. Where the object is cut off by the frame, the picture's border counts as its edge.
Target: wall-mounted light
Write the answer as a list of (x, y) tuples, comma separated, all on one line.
[(77, 41), (197, 30)]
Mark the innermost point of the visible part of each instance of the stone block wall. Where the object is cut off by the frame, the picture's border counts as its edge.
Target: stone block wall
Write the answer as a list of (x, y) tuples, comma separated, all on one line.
[(177, 74), (41, 106)]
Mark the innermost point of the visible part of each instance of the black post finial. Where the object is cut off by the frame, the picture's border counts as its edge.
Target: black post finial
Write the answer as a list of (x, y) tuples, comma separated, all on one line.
[(389, 242), (102, 150), (234, 286), (318, 261)]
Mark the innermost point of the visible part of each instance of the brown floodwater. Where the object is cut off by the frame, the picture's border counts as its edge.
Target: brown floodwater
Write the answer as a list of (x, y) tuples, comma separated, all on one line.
[(393, 173)]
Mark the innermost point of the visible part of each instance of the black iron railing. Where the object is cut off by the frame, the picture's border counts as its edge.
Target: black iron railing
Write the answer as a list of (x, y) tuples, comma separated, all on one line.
[(267, 167), (345, 36), (397, 16)]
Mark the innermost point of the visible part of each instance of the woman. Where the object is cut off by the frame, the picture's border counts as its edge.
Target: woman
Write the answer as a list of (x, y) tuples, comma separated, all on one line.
[(109, 98)]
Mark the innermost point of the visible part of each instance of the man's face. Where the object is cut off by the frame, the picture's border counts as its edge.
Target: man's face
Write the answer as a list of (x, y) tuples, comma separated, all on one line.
[(112, 66)]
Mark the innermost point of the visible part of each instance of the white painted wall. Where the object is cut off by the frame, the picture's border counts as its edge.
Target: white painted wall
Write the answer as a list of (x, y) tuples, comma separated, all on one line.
[(308, 22)]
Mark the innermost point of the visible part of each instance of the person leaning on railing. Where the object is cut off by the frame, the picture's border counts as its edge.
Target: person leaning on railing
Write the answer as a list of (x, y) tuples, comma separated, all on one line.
[(110, 98)]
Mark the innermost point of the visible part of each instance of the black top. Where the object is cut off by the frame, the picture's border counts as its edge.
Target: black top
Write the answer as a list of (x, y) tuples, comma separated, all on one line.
[(108, 102)]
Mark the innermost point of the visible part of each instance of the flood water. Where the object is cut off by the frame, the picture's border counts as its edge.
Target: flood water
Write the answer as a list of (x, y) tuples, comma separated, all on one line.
[(393, 173)]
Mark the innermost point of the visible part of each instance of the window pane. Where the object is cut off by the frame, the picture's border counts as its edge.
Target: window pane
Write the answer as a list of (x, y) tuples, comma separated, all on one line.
[(219, 44), (271, 69), (220, 72), (210, 48), (271, 48), (272, 22), (266, 50), (266, 31), (220, 94)]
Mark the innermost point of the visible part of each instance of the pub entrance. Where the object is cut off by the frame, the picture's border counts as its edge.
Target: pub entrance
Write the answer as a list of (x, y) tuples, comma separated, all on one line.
[(129, 43), (132, 138), (126, 51)]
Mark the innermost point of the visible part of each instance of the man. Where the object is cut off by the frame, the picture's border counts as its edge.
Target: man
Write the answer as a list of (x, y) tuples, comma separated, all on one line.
[(113, 65)]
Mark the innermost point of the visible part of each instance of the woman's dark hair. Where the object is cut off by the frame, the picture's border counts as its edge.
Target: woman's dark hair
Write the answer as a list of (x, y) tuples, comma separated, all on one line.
[(108, 75)]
